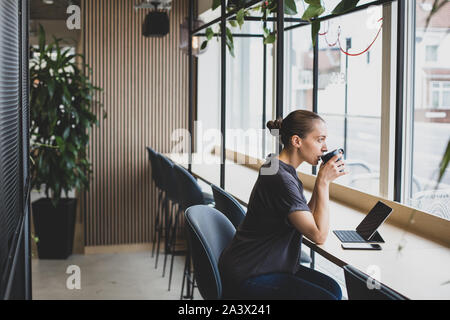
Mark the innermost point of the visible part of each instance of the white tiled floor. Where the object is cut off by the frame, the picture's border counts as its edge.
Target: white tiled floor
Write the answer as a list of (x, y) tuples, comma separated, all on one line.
[(123, 276), (108, 276)]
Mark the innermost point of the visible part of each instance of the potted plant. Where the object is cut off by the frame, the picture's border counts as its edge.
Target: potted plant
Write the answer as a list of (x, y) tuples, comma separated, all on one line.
[(61, 102)]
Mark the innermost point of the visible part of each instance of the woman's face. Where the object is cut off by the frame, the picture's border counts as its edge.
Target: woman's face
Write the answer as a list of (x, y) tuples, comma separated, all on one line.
[(314, 145)]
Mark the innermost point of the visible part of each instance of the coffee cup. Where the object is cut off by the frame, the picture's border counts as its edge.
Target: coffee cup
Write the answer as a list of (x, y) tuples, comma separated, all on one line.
[(331, 154)]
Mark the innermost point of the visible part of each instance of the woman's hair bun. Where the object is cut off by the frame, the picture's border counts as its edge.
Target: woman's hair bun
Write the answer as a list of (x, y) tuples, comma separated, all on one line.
[(275, 125)]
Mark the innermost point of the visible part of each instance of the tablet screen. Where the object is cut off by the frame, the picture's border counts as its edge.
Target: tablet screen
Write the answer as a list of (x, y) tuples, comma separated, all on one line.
[(373, 220)]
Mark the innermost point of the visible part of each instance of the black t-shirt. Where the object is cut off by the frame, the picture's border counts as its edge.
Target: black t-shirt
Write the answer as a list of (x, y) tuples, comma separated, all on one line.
[(266, 242)]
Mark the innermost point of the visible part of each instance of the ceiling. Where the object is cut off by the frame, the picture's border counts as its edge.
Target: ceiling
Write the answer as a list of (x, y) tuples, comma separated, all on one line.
[(39, 10)]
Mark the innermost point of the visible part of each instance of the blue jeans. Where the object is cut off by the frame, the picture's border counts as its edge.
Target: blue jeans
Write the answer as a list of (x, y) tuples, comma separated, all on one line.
[(306, 284)]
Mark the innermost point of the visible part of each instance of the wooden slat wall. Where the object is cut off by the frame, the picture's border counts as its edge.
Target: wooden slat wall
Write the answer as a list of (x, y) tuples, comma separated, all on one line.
[(145, 83)]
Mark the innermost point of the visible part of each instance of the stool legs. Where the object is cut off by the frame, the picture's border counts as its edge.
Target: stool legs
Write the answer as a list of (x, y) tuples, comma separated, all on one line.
[(160, 228), (188, 278), (173, 243), (168, 243), (156, 223)]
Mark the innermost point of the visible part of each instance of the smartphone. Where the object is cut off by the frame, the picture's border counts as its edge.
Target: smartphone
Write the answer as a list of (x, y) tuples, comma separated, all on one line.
[(361, 246)]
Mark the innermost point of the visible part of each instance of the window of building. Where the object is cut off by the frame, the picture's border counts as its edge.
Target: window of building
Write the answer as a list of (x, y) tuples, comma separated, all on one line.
[(349, 94), (440, 94), (429, 126), (431, 53)]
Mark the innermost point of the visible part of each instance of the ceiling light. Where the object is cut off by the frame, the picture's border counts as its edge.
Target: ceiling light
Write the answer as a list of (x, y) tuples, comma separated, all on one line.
[(156, 23)]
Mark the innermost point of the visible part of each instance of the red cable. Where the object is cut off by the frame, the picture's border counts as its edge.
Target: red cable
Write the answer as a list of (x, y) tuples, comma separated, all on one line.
[(326, 40), (337, 39), (367, 49), (340, 47), (322, 34)]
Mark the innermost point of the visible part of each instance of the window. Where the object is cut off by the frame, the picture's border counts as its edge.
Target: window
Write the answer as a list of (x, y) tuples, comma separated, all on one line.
[(244, 112), (245, 126), (429, 128), (349, 94), (207, 127), (350, 90), (298, 70), (298, 74), (440, 94), (431, 53)]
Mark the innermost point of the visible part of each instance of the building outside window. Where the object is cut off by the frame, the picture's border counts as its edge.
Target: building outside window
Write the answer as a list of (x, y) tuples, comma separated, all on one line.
[(429, 128)]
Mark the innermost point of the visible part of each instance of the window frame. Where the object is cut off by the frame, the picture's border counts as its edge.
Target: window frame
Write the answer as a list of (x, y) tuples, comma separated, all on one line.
[(397, 85)]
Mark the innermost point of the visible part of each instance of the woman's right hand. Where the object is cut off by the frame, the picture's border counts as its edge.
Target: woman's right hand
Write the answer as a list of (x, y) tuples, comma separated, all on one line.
[(332, 170)]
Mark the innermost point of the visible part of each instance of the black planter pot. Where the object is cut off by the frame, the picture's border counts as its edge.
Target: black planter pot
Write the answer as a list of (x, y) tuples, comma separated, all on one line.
[(55, 227)]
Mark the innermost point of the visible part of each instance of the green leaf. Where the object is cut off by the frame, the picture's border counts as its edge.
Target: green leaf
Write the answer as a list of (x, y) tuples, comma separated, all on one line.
[(229, 35), (216, 4), (290, 7), (233, 23), (66, 133), (444, 162), (230, 48), (270, 38), (345, 6), (240, 17), (204, 45), (209, 33), (51, 88), (313, 11), (41, 39), (61, 144), (229, 41), (313, 2), (72, 149)]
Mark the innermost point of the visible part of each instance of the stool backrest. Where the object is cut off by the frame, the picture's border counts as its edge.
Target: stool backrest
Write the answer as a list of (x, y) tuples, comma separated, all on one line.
[(228, 205), (190, 192), (209, 232), (156, 167), (168, 177), (362, 287)]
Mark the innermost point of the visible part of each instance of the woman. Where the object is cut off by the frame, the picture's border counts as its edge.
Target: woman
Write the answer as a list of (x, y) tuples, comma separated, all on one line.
[(263, 259)]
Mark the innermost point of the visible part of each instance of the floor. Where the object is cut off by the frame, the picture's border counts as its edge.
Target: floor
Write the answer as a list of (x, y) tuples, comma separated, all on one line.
[(124, 276)]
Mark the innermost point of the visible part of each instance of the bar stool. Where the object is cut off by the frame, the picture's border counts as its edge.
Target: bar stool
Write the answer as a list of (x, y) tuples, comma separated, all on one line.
[(157, 178), (190, 195), (172, 195), (209, 233)]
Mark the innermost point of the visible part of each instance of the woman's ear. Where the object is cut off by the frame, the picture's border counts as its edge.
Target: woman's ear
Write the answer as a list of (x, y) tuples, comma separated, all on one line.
[(296, 141)]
